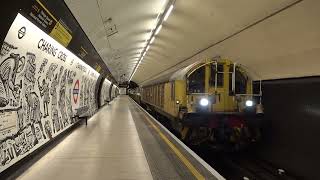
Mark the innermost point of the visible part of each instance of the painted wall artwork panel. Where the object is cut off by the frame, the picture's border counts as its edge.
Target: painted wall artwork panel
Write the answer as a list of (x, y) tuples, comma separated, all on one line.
[(41, 86), (105, 95)]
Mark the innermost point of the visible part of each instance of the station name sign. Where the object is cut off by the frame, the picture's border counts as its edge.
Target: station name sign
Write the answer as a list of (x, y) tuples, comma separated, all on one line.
[(51, 50)]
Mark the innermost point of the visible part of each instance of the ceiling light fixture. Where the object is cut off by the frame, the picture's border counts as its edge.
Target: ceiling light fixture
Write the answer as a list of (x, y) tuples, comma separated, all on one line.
[(152, 39), (158, 29), (160, 19), (168, 13)]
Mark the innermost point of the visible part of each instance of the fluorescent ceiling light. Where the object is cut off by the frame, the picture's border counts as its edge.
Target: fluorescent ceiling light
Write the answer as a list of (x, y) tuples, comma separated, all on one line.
[(152, 39), (158, 29), (144, 54), (168, 12), (148, 47), (133, 73)]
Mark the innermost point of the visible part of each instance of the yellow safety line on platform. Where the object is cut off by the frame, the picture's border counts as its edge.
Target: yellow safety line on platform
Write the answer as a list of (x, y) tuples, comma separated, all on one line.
[(185, 161)]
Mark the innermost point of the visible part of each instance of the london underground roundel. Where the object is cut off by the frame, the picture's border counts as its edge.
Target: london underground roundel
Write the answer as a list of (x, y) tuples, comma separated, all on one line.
[(76, 90)]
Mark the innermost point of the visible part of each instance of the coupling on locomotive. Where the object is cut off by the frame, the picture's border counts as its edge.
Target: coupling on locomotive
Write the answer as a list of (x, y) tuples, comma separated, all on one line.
[(209, 102)]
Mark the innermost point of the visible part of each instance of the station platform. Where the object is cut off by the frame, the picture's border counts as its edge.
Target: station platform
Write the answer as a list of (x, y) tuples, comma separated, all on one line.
[(121, 141)]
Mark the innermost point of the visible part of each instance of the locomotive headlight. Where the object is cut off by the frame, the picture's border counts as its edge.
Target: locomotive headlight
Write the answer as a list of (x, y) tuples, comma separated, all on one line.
[(204, 102), (177, 102), (249, 103)]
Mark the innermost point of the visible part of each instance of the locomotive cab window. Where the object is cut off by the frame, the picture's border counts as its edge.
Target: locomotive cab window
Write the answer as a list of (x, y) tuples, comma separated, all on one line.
[(172, 91), (196, 81), (216, 70), (240, 81)]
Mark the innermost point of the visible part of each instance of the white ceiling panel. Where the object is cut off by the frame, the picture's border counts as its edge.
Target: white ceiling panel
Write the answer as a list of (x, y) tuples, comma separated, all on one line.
[(133, 19), (275, 48)]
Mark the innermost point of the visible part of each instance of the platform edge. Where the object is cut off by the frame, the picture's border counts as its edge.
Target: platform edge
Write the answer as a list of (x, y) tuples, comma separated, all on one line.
[(192, 153)]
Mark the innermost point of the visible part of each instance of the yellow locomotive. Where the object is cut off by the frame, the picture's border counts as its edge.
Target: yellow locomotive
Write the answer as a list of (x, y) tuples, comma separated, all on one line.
[(209, 101)]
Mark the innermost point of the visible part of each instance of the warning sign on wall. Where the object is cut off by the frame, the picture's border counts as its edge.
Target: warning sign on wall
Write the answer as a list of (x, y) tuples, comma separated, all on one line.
[(60, 34)]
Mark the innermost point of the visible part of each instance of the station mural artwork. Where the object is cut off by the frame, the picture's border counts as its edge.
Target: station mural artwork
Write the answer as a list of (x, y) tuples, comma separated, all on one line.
[(41, 86), (105, 95)]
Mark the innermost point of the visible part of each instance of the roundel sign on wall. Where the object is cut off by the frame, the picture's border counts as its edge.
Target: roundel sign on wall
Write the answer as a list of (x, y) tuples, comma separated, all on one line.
[(76, 90), (22, 32)]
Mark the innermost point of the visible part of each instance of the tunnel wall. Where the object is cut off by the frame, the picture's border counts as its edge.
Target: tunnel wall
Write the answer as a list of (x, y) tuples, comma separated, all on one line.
[(41, 85), (292, 114)]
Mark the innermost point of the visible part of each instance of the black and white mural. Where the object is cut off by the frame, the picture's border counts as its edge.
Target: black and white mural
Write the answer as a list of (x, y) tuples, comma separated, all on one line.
[(105, 95), (41, 86), (114, 91)]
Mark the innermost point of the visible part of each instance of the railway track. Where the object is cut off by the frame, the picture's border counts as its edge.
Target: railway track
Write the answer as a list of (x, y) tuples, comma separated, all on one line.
[(235, 165), (241, 165)]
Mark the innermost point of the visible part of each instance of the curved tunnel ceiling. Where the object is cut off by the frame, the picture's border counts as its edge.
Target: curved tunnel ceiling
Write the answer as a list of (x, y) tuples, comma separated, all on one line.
[(286, 44), (118, 29)]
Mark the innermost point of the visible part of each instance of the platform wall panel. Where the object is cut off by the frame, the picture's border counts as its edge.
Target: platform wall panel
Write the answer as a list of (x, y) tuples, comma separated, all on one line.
[(292, 116), (105, 94), (41, 85)]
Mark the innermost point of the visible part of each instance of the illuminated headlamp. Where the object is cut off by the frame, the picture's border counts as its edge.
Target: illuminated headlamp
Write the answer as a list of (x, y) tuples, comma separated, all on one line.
[(204, 102), (249, 103)]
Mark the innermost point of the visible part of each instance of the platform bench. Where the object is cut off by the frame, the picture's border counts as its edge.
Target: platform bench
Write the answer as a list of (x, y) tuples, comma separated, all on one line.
[(82, 113)]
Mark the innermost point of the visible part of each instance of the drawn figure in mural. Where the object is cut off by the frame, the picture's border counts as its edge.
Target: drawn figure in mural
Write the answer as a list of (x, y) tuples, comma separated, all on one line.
[(21, 116), (71, 75), (43, 65), (7, 151), (62, 96), (45, 95), (8, 70), (69, 105), (6, 48), (47, 129), (82, 92), (60, 72), (30, 70), (58, 125), (89, 94), (51, 70), (54, 100), (33, 111)]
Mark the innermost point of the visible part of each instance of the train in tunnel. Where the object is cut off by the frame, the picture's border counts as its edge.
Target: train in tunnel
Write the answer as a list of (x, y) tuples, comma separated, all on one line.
[(210, 101), (50, 65)]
